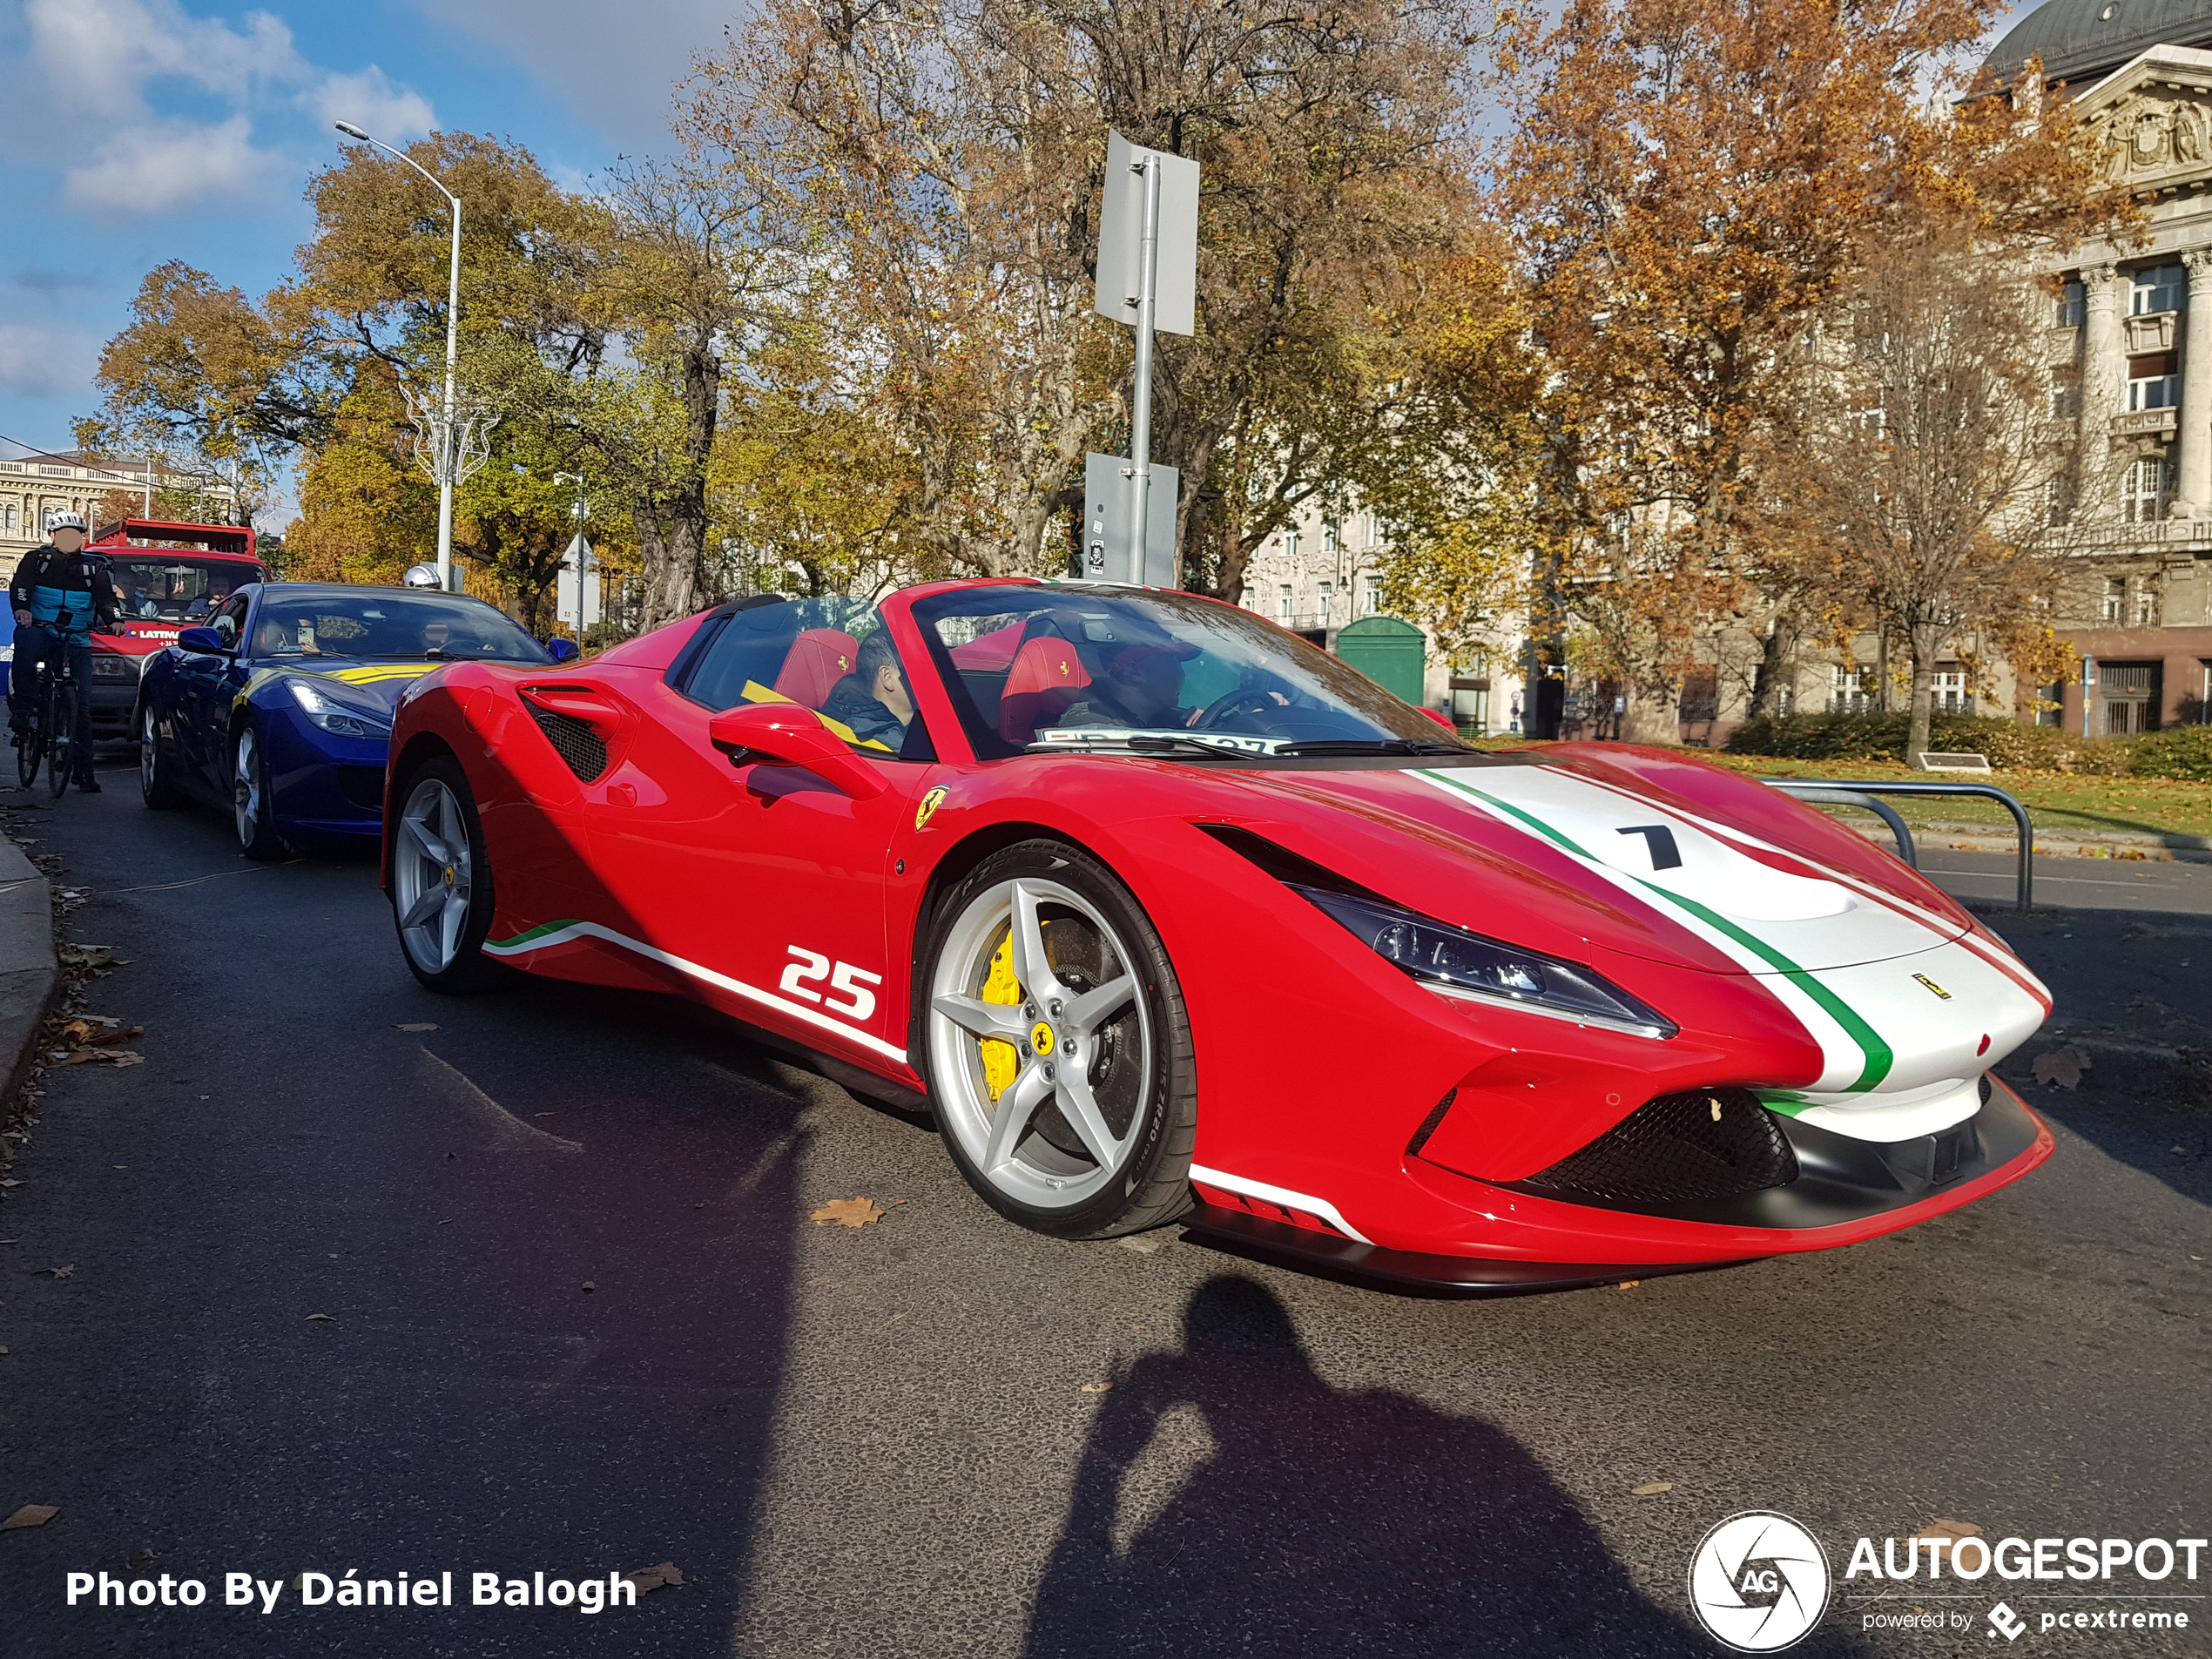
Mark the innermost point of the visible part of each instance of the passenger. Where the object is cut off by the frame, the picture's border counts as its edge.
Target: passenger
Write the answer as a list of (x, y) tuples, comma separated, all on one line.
[(1141, 687), (873, 698)]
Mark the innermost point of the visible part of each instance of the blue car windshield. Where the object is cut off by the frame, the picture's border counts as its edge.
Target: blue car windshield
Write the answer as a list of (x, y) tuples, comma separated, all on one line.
[(1077, 666), (389, 622)]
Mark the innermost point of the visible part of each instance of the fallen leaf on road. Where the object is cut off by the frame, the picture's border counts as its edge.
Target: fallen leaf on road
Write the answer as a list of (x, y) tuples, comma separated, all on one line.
[(1947, 1532), (329, 1318), (849, 1212), (589, 1286), (1651, 1489), (1096, 1388), (417, 1025), (59, 1272), (10, 1183), (84, 1033), (113, 1056), (1630, 1283), (2061, 1066), (651, 1578), (31, 1515)]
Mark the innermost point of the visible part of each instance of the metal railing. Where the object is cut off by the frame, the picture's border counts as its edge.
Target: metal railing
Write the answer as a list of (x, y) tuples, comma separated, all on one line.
[(1853, 792)]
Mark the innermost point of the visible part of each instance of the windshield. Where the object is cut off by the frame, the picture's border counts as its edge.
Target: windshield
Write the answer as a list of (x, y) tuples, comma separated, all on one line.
[(1076, 666), (387, 621), (166, 588)]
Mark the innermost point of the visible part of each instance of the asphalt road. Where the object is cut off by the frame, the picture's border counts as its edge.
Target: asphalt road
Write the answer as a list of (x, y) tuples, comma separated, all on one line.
[(579, 1322)]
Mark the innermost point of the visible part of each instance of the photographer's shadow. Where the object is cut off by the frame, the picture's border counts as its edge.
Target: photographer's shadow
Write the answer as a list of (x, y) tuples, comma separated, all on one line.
[(1229, 1497)]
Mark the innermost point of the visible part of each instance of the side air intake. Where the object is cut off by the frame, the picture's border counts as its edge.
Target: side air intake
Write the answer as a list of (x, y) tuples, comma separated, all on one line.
[(574, 739)]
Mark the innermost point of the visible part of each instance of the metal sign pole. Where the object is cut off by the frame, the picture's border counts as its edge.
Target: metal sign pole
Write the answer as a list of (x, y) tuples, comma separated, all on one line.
[(1140, 447)]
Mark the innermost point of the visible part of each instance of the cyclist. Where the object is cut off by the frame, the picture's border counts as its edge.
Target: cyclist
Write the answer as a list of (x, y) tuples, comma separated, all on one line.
[(60, 594)]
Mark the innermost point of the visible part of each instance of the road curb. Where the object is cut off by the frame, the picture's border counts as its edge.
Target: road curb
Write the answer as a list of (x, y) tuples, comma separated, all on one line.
[(2115, 844), (29, 972)]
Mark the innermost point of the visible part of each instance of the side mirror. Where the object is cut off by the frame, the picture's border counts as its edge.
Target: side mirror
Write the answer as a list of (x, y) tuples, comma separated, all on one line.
[(790, 734), (563, 651), (206, 640)]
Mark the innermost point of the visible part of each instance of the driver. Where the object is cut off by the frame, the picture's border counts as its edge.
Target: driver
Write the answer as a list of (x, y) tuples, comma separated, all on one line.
[(873, 698), (1140, 686)]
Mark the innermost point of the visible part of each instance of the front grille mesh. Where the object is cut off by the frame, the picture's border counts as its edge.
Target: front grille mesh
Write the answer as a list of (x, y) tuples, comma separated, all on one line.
[(1706, 1144), (577, 744)]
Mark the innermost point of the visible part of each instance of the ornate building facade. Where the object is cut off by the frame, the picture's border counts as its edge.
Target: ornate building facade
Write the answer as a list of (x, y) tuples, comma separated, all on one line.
[(34, 485)]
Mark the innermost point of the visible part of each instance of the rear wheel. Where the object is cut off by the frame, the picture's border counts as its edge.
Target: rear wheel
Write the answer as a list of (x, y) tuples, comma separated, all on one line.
[(30, 742), (250, 803), (156, 777), (1056, 1046), (442, 894)]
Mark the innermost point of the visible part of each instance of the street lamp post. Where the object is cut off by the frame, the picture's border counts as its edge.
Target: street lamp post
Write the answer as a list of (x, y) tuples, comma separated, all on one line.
[(453, 348)]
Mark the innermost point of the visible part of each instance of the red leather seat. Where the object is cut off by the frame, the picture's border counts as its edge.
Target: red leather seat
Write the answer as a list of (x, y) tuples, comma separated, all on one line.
[(817, 659), (1046, 680)]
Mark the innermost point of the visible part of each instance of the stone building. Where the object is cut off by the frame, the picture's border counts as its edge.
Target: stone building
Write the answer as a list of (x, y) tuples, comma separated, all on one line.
[(35, 484)]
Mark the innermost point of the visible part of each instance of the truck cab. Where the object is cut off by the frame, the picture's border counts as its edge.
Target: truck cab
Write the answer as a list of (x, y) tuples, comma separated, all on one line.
[(167, 578)]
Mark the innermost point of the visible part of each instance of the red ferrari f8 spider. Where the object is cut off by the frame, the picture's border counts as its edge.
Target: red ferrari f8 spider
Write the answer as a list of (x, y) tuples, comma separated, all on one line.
[(1172, 916)]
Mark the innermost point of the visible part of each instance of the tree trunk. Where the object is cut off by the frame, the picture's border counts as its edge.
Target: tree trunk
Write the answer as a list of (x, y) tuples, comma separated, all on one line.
[(1653, 716), (1777, 655), (1926, 645), (674, 544)]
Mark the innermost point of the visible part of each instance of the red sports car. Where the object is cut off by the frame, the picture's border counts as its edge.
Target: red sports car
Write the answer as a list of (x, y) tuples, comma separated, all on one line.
[(1170, 916)]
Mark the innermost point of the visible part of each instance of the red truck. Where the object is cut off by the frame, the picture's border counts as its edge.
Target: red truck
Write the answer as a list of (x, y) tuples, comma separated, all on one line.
[(167, 578)]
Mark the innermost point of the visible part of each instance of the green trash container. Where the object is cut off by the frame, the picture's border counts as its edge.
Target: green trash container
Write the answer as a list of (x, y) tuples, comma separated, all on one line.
[(1390, 652)]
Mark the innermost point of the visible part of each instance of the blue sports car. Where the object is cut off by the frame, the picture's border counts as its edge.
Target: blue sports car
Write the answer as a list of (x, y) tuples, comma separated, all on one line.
[(281, 706)]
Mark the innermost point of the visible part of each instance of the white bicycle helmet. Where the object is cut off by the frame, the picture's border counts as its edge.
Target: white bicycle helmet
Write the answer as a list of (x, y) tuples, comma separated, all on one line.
[(66, 522), (421, 576)]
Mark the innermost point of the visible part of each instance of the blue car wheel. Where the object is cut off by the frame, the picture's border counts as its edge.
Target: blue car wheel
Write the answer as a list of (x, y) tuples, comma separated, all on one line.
[(251, 800)]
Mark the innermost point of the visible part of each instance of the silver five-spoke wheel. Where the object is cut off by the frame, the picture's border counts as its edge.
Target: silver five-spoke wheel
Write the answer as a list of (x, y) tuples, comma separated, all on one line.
[(431, 872)]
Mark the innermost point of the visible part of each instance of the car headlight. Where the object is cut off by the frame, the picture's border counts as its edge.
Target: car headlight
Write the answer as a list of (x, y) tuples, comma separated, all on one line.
[(112, 665), (340, 719), (1458, 963)]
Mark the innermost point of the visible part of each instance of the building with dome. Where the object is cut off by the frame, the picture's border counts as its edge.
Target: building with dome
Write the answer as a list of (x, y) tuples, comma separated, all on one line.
[(2129, 352)]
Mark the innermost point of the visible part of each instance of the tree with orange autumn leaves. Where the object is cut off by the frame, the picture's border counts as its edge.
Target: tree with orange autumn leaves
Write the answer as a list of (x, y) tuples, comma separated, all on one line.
[(1689, 187)]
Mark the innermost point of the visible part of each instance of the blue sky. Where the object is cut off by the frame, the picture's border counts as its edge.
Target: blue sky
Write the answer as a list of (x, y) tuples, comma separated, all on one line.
[(140, 131)]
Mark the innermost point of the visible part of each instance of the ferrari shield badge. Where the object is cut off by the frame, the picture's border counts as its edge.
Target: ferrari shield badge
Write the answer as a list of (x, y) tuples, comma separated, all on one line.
[(930, 803)]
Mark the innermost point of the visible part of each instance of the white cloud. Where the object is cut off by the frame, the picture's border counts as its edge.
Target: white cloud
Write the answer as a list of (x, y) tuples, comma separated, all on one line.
[(617, 75), (42, 361), (164, 167), (370, 101), (138, 157)]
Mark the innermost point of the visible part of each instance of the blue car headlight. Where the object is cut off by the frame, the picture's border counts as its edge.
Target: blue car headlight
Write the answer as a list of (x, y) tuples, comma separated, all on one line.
[(340, 719), (1459, 963)]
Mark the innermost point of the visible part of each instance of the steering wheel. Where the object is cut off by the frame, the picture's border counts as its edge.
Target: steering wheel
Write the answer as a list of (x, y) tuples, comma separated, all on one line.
[(1245, 700)]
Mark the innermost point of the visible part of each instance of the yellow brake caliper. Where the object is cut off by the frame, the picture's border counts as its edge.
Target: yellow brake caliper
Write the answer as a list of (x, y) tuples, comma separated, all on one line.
[(1001, 1062)]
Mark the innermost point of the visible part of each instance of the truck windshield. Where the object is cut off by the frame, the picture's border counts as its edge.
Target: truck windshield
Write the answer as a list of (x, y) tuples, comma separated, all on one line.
[(170, 587)]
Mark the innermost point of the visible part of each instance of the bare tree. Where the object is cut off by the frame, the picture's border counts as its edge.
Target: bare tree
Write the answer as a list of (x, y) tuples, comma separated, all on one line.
[(1919, 459)]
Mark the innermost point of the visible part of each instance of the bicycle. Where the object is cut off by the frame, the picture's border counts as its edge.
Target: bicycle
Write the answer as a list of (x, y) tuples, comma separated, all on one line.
[(57, 719)]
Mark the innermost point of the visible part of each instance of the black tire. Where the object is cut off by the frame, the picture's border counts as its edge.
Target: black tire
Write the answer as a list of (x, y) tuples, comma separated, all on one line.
[(61, 727), (30, 742), (1135, 1072), (157, 784), (253, 810), (467, 968)]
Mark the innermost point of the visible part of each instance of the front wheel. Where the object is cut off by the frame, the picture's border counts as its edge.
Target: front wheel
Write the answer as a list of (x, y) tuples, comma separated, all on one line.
[(61, 734), (31, 743), (156, 778), (1056, 1046), (441, 895), (250, 803)]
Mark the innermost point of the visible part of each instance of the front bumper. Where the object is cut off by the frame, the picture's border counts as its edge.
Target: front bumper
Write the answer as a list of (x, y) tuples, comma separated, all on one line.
[(324, 786)]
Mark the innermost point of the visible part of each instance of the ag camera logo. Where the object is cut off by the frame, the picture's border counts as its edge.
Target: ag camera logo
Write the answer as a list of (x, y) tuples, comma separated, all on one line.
[(1759, 1581)]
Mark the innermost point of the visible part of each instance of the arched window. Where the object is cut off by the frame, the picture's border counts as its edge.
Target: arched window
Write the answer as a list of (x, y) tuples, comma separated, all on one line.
[(2144, 488)]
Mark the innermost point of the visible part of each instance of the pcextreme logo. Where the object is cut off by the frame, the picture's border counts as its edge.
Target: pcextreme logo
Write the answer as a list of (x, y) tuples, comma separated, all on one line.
[(1759, 1581)]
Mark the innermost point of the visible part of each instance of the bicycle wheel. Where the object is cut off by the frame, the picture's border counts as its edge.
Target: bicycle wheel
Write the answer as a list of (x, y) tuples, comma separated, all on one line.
[(30, 743), (62, 714)]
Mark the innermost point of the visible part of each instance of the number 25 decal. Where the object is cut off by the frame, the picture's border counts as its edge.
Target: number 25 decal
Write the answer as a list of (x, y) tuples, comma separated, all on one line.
[(812, 967)]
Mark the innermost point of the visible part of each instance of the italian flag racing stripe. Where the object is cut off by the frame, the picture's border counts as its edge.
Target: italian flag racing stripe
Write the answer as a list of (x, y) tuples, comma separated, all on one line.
[(1873, 1057)]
